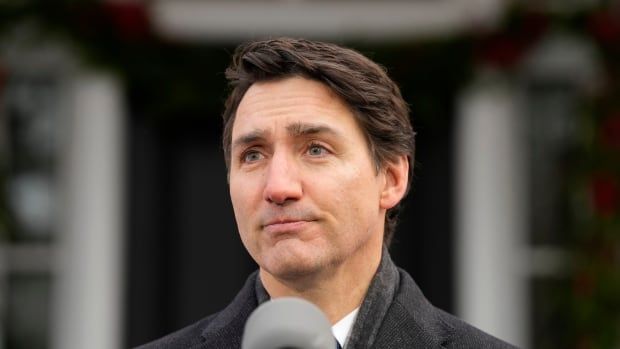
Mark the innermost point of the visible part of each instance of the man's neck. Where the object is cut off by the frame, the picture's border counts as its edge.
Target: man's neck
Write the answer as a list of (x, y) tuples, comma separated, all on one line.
[(336, 291)]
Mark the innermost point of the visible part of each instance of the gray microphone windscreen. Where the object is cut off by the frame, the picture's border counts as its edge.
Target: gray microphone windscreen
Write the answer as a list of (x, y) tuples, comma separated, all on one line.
[(288, 323)]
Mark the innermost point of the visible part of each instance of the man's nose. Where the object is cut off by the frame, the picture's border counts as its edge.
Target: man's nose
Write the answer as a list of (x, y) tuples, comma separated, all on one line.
[(282, 184)]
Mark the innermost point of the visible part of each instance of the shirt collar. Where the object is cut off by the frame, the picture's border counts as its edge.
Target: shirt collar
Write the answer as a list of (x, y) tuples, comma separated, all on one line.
[(343, 327)]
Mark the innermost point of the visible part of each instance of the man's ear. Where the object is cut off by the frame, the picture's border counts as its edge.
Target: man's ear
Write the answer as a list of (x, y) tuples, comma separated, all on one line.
[(396, 179)]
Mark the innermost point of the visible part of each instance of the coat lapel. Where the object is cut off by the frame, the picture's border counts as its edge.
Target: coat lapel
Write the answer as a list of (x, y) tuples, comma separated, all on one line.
[(226, 329), (411, 321), (395, 313)]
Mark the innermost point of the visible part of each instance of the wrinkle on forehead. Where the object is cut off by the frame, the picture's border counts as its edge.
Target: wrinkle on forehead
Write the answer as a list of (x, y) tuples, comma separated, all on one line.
[(282, 97)]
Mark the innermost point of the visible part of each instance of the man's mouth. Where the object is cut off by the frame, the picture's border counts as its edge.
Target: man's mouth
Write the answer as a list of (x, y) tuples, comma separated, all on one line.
[(285, 225)]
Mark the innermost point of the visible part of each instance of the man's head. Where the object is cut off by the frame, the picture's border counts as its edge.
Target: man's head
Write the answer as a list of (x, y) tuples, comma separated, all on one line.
[(364, 87)]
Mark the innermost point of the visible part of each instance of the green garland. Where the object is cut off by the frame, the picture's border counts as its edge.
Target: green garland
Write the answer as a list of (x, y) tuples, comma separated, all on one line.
[(593, 302)]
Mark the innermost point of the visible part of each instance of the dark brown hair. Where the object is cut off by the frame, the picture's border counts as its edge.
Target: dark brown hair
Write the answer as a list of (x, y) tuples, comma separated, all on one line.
[(365, 87)]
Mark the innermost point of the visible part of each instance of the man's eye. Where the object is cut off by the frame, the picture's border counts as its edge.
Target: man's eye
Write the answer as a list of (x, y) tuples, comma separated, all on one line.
[(252, 156), (316, 150)]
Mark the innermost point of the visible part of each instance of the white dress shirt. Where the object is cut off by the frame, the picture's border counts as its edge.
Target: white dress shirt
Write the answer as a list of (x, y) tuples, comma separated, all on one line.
[(342, 328)]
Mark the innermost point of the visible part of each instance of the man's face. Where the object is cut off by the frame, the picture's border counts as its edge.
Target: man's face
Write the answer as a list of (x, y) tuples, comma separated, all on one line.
[(304, 188)]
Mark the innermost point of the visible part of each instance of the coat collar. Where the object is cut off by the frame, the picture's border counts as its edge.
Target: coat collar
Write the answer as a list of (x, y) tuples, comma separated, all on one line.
[(377, 301), (226, 328)]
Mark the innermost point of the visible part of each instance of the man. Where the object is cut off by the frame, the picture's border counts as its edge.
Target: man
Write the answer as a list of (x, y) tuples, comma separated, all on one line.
[(319, 147)]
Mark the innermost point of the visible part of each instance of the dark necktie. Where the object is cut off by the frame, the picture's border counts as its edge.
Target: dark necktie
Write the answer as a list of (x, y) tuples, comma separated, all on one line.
[(338, 346)]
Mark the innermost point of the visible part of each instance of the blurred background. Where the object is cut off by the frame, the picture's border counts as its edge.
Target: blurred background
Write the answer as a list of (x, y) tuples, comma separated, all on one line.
[(115, 221)]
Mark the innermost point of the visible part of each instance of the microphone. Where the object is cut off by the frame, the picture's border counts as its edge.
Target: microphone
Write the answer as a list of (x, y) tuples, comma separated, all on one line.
[(288, 322)]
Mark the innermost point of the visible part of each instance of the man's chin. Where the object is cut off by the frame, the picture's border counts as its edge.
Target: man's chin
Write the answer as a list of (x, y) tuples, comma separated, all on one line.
[(292, 267)]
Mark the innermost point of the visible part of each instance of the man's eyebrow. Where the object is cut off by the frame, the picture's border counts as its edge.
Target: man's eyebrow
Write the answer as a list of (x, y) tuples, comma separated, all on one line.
[(248, 138), (297, 129), (303, 129)]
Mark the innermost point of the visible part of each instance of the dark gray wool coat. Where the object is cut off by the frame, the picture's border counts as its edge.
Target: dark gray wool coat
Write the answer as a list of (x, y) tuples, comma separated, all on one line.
[(394, 314)]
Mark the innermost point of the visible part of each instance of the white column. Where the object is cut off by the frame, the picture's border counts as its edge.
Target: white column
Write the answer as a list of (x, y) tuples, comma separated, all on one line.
[(491, 216), (87, 306)]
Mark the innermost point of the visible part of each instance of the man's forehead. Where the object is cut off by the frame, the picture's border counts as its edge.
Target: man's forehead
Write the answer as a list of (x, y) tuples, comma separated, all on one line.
[(288, 92), (295, 104)]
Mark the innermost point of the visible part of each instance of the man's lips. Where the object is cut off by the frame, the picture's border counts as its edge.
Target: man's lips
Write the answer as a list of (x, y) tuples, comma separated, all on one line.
[(285, 225)]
